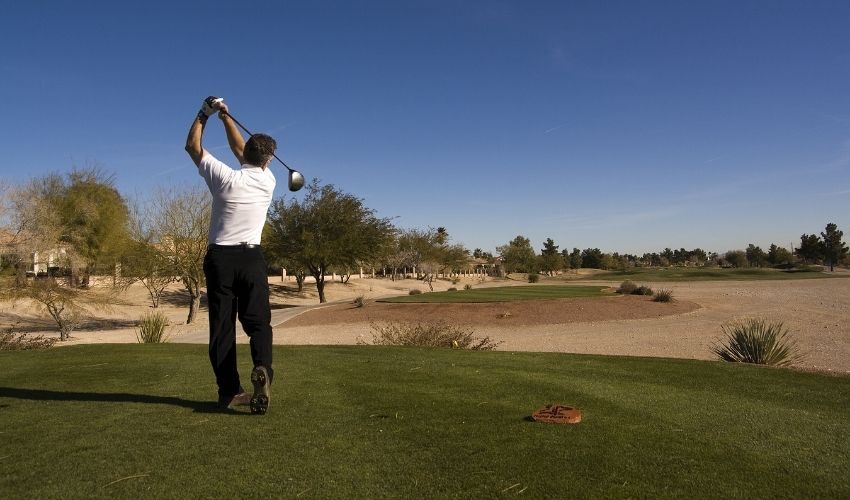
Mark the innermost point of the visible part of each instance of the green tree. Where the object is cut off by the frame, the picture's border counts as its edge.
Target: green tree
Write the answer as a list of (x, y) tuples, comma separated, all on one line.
[(777, 255), (811, 248), (575, 259), (94, 218), (329, 229), (592, 258), (81, 212), (736, 258), (834, 250), (550, 259), (518, 255), (755, 256)]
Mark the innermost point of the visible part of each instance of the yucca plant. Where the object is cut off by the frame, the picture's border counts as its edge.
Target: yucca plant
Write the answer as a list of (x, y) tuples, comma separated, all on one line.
[(151, 328), (663, 296), (759, 342), (359, 301)]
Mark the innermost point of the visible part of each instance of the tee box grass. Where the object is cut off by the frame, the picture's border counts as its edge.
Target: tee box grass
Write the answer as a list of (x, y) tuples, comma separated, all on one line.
[(130, 421)]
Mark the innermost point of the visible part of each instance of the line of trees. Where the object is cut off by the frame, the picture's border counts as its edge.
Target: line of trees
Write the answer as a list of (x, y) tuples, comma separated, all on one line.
[(519, 255)]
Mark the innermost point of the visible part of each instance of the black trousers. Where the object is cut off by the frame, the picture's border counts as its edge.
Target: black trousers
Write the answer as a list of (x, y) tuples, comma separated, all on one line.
[(237, 285)]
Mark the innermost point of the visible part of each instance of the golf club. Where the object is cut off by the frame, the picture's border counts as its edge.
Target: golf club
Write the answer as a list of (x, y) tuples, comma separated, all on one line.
[(296, 180)]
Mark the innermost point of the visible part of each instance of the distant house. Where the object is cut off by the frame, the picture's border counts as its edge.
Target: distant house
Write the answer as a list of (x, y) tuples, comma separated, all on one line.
[(15, 248)]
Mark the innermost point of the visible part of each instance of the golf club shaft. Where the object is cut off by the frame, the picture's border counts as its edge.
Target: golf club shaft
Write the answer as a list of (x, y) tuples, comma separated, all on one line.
[(249, 133)]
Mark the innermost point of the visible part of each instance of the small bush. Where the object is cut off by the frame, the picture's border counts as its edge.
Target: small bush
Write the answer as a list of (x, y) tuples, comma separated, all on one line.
[(759, 342), (415, 291), (467, 287), (627, 287), (663, 296), (151, 328), (10, 341), (439, 334), (452, 289), (533, 277), (359, 301), (642, 290)]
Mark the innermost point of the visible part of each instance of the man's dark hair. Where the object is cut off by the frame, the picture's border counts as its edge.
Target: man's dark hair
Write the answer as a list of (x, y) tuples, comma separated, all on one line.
[(259, 149)]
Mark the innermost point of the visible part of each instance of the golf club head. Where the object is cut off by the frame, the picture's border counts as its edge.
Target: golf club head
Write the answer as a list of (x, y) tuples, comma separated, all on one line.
[(296, 180)]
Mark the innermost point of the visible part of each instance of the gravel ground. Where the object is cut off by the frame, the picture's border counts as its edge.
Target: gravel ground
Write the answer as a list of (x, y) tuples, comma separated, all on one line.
[(816, 311)]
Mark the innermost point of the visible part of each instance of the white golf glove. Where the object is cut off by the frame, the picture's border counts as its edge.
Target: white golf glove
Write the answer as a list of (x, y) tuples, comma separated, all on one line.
[(208, 107)]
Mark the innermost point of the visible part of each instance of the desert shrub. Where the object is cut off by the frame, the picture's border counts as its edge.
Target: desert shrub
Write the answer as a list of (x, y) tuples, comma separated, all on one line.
[(10, 341), (439, 334), (452, 289), (359, 301), (642, 290), (533, 277), (759, 342), (151, 328), (467, 287), (627, 287), (415, 291), (663, 296)]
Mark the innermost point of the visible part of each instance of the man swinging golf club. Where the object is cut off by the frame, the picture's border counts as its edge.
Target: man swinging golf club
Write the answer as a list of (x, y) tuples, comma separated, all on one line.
[(234, 265)]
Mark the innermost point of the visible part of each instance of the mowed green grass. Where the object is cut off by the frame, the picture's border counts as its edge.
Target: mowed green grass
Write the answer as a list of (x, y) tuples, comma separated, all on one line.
[(504, 294), (706, 274), (131, 421)]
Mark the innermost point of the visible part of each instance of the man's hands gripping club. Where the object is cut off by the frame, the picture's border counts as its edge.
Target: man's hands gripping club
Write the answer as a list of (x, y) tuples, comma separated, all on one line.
[(210, 105)]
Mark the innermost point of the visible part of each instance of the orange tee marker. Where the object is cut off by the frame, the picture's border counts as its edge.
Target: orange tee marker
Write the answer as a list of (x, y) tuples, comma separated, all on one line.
[(557, 414)]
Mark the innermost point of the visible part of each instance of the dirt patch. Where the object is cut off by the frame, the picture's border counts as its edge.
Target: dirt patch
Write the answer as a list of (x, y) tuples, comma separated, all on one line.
[(516, 313)]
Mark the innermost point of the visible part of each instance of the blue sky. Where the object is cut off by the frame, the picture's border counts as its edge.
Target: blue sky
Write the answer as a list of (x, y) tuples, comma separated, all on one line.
[(628, 126)]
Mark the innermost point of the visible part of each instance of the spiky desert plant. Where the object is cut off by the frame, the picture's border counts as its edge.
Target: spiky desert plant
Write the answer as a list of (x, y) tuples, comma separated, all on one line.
[(663, 296), (359, 301), (151, 328), (757, 341)]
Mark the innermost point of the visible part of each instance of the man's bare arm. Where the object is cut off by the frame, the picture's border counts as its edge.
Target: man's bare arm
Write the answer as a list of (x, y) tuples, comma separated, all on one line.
[(193, 140), (234, 136)]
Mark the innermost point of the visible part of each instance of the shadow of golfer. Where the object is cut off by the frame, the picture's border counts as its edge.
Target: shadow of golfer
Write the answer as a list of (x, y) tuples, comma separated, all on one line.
[(111, 397)]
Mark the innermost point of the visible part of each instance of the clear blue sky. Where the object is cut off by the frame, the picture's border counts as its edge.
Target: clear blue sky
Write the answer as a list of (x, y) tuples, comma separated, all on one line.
[(628, 126)]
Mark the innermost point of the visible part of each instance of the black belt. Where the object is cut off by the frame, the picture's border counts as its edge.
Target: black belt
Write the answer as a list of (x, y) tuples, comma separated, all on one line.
[(241, 246)]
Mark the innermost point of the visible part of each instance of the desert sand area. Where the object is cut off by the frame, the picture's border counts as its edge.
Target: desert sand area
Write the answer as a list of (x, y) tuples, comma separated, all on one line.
[(817, 311)]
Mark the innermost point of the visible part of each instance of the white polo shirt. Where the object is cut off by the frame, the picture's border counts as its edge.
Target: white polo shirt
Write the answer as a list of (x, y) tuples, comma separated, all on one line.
[(241, 200)]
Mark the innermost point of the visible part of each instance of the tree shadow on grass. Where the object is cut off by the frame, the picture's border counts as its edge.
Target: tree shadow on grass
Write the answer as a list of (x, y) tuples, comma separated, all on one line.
[(113, 397)]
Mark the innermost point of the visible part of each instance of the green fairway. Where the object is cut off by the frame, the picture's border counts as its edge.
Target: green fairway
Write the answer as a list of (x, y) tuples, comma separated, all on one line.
[(132, 421), (705, 274), (504, 294)]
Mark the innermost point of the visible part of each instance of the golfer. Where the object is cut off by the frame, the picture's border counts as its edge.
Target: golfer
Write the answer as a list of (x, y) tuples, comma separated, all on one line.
[(234, 266)]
